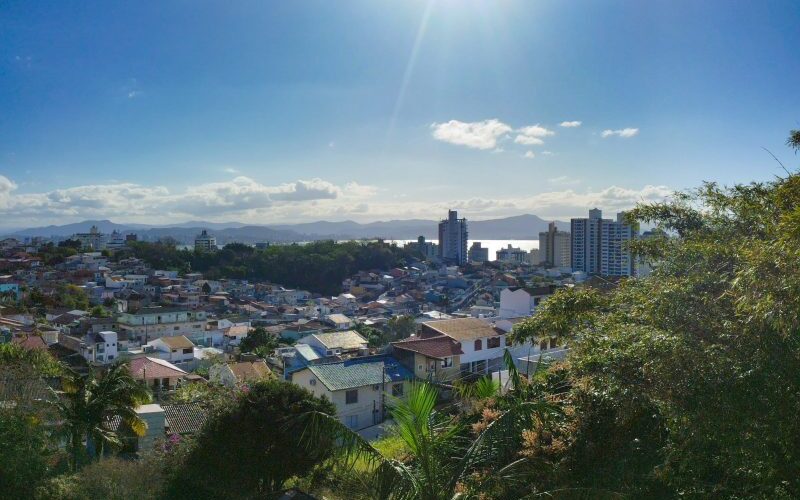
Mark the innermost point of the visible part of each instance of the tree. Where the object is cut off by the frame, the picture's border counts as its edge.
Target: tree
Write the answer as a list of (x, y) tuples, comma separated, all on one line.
[(99, 312), (375, 337), (686, 383), (259, 337), (24, 454), (401, 327), (253, 447), (446, 462), (88, 405)]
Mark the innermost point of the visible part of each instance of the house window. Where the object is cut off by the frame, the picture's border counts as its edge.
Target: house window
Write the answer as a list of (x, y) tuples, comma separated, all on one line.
[(351, 397), (493, 342), (188, 350), (478, 344), (447, 362), (352, 421), (176, 328), (397, 390)]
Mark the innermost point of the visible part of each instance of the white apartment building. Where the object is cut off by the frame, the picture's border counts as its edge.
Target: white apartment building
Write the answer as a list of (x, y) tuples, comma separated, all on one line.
[(599, 245), (150, 323), (205, 242)]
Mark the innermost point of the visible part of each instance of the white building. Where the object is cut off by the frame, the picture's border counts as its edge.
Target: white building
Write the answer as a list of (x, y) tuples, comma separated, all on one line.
[(599, 245), (149, 323), (522, 302), (512, 254), (205, 242), (177, 350), (358, 388)]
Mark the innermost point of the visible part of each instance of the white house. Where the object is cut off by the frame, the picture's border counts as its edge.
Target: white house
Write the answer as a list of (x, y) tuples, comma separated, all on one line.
[(358, 387), (482, 344), (522, 302), (177, 350)]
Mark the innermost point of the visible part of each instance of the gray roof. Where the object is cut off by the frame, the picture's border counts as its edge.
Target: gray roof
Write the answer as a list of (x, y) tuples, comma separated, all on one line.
[(306, 351), (348, 339), (360, 372)]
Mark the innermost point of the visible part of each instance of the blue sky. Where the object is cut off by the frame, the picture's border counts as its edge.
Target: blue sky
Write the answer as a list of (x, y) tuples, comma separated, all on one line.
[(366, 110)]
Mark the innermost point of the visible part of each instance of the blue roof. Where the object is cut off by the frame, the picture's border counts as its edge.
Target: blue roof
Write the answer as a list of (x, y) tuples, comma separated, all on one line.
[(359, 372)]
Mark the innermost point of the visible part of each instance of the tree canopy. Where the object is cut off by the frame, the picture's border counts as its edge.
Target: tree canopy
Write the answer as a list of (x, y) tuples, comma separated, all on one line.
[(687, 383), (318, 266), (252, 448)]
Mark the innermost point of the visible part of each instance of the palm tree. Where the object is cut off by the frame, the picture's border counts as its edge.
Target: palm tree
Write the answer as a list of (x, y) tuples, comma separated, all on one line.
[(88, 405), (443, 457)]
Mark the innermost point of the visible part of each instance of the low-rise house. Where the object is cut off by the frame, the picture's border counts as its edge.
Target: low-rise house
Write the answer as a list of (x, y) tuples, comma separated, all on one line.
[(358, 387), (437, 358), (340, 321), (154, 322), (177, 350), (483, 345), (158, 374), (235, 374), (522, 302), (336, 343)]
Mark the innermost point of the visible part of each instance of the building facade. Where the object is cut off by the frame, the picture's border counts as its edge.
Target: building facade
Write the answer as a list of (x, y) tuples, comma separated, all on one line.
[(477, 253), (512, 254), (205, 242), (599, 246), (453, 239), (555, 247)]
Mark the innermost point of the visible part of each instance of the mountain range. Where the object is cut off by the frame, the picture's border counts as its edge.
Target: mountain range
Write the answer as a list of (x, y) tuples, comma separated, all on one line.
[(519, 227)]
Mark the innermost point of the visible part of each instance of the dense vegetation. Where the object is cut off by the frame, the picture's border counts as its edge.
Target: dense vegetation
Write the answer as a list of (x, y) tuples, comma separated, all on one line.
[(319, 266), (688, 383)]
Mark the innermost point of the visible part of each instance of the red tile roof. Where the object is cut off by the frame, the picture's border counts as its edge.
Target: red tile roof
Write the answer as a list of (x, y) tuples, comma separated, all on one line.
[(433, 347), (154, 368)]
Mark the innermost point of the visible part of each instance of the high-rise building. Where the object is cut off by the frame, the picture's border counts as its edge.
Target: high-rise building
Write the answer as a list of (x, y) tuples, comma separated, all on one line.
[(453, 239), (478, 253), (554, 247), (599, 245), (205, 242)]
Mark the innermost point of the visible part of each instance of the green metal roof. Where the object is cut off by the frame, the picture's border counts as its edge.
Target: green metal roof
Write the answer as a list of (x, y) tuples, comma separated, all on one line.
[(360, 372)]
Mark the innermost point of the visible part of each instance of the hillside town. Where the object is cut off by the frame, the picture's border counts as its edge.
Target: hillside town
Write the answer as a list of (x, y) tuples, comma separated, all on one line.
[(444, 316)]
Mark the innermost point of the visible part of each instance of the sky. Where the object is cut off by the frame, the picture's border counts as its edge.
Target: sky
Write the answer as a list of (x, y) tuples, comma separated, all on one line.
[(275, 112)]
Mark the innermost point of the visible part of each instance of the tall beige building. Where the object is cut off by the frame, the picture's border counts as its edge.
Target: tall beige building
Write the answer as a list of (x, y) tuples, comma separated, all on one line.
[(554, 247)]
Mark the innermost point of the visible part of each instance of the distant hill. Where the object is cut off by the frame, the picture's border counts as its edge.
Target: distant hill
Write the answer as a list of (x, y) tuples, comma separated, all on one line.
[(519, 227)]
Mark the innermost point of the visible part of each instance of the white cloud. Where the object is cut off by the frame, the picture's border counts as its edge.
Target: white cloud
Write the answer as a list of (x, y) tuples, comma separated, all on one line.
[(532, 135), (548, 153), (314, 189), (247, 200), (133, 94), (571, 124), (230, 170), (625, 133), (239, 196), (529, 154), (477, 135), (528, 141), (564, 180)]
